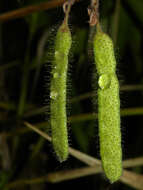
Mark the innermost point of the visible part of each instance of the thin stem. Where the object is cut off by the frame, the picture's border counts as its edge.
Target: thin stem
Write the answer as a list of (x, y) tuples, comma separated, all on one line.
[(87, 159), (133, 162), (87, 116), (37, 147), (60, 176), (79, 118), (130, 178), (39, 60), (26, 182), (79, 155), (82, 97), (66, 8), (9, 65), (31, 9), (138, 87), (116, 21)]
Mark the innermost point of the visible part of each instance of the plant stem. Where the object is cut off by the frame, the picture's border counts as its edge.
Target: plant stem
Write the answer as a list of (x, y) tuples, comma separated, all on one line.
[(116, 22), (72, 174), (130, 178), (31, 9)]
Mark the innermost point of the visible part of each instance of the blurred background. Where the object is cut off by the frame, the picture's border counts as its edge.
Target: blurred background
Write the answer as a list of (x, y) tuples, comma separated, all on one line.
[(24, 91)]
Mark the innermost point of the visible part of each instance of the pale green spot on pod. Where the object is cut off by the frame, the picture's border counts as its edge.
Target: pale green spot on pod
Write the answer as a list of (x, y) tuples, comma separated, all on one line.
[(55, 75), (53, 95), (104, 81), (57, 54)]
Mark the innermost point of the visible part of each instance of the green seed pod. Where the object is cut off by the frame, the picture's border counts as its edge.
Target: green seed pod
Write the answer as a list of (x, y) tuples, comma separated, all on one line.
[(58, 92), (104, 54), (108, 107)]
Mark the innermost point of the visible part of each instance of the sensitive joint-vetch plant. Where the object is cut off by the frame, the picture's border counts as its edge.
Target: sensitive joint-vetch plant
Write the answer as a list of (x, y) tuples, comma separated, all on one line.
[(58, 92), (108, 106)]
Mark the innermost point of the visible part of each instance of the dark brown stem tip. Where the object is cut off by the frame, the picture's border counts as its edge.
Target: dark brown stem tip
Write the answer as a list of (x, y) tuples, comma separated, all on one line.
[(93, 17), (93, 13)]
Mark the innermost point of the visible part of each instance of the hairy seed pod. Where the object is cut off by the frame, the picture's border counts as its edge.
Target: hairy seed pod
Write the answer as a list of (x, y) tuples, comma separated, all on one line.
[(108, 107), (58, 92)]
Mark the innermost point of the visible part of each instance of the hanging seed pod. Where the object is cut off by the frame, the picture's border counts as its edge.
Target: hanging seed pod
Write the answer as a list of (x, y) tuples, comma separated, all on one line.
[(108, 107), (58, 92)]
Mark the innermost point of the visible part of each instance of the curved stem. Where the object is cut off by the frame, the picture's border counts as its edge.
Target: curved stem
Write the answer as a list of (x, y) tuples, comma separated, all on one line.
[(69, 4), (31, 9)]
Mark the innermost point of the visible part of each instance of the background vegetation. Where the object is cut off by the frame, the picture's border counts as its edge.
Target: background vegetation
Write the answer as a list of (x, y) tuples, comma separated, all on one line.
[(27, 160)]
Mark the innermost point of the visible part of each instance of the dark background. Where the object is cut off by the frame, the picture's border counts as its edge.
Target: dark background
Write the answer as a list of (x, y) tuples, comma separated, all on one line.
[(24, 87)]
